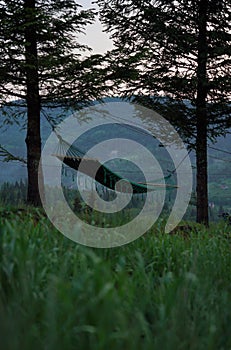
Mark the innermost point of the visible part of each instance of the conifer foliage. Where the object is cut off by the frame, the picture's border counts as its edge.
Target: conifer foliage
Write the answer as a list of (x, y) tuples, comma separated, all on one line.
[(179, 50), (41, 64)]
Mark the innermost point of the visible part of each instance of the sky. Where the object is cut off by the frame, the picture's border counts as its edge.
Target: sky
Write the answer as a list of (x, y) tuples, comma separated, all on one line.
[(94, 36)]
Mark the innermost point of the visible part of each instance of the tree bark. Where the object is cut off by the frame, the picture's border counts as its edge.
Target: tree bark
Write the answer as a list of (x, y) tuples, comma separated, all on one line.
[(201, 117), (33, 138)]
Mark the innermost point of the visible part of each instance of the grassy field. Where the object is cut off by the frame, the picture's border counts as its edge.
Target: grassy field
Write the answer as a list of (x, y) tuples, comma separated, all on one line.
[(160, 292)]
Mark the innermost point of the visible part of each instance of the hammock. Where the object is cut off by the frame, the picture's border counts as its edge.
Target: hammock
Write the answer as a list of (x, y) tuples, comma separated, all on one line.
[(72, 157)]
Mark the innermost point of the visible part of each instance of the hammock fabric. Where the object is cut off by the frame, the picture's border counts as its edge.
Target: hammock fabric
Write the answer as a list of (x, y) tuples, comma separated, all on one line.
[(72, 157)]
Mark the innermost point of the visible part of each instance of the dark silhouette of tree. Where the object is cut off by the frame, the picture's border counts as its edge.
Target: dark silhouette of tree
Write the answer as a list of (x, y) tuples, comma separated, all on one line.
[(13, 194), (41, 64), (174, 56)]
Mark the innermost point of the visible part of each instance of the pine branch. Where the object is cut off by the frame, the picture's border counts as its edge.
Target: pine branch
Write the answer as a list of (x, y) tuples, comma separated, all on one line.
[(9, 156)]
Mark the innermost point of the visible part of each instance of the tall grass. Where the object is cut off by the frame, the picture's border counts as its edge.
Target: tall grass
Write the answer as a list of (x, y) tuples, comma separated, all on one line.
[(160, 292)]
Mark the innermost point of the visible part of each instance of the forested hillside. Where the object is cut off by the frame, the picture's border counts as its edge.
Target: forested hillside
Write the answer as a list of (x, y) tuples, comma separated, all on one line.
[(12, 136)]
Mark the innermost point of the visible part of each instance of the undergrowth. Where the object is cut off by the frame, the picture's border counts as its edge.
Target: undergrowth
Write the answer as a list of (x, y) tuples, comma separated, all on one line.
[(160, 292)]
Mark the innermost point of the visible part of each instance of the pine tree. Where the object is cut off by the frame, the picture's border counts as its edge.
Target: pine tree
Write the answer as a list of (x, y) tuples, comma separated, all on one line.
[(177, 52), (41, 64)]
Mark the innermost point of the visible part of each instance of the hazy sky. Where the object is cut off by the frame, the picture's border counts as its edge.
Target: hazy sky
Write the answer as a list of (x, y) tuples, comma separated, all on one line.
[(94, 37)]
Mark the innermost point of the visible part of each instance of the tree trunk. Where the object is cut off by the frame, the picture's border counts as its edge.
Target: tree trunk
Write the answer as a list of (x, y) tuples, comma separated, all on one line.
[(33, 138), (201, 117)]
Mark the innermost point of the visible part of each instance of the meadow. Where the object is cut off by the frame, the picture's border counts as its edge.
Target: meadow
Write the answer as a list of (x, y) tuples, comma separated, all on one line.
[(160, 292)]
